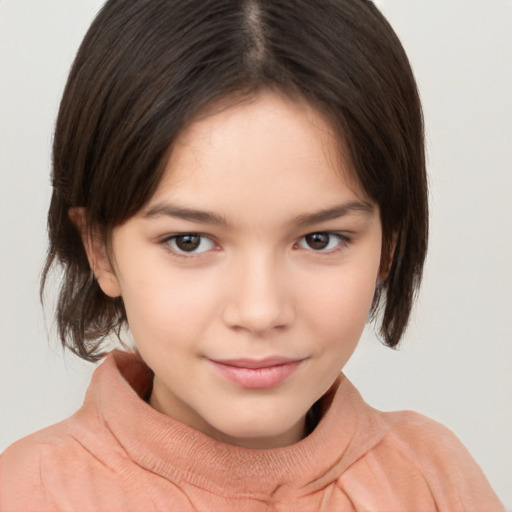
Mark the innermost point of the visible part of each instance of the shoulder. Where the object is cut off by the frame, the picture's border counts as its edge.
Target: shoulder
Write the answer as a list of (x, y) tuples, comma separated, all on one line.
[(35, 468), (22, 473), (429, 443), (433, 451), (421, 436), (414, 436)]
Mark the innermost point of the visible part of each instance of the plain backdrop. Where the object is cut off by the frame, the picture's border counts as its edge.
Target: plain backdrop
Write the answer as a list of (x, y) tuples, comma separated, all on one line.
[(455, 363)]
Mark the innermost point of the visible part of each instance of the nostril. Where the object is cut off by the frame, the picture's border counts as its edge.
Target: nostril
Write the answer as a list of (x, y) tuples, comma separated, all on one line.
[(259, 317), (257, 298)]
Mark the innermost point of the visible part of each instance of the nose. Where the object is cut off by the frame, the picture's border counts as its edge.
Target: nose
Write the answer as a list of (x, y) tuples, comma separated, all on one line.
[(259, 299)]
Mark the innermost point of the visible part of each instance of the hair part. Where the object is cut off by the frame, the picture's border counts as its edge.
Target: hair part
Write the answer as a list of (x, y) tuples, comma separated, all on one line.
[(147, 68)]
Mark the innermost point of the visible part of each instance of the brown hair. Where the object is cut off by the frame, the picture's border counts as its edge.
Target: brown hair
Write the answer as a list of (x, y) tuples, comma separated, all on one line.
[(146, 68)]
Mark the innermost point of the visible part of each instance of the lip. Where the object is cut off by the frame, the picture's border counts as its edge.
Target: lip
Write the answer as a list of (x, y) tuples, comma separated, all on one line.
[(257, 374)]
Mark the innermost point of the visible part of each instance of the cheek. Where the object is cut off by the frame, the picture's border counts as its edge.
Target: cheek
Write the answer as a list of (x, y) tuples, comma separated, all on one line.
[(167, 306), (339, 303)]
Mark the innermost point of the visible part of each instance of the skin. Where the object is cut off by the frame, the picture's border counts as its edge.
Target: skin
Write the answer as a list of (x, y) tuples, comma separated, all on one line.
[(255, 285)]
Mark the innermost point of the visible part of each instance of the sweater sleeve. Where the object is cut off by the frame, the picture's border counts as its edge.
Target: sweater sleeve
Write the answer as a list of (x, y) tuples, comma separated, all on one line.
[(456, 481), (21, 482)]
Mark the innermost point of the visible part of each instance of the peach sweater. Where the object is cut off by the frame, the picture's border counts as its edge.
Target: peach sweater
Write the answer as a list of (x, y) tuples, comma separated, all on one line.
[(118, 454)]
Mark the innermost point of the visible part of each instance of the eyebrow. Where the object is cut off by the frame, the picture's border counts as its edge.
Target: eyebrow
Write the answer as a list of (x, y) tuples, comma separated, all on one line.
[(335, 212), (190, 214), (307, 219)]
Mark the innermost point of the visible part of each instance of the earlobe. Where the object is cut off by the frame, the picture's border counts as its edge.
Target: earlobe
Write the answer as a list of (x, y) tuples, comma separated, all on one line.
[(97, 254)]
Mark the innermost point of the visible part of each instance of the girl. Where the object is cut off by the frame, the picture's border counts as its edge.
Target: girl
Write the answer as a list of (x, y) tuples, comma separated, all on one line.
[(241, 184)]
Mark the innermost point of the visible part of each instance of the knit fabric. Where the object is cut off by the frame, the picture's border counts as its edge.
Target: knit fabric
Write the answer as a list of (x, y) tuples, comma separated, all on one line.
[(119, 454)]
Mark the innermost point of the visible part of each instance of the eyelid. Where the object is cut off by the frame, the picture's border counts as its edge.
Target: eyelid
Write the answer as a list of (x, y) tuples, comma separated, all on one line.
[(343, 241), (167, 239)]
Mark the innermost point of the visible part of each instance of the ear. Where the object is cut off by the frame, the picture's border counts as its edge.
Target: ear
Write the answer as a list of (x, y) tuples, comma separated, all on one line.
[(97, 253), (386, 260)]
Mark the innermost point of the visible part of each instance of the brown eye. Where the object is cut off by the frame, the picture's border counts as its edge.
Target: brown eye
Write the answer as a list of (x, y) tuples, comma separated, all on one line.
[(326, 242), (318, 241), (190, 243)]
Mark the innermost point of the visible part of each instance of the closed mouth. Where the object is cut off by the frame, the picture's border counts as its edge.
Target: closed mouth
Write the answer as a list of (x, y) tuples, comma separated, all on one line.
[(256, 374)]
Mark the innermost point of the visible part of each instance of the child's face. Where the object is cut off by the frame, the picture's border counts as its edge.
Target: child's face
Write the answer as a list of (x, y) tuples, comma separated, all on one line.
[(243, 313)]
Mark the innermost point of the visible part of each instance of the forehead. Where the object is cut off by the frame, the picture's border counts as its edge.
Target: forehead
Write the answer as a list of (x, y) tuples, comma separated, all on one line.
[(268, 149)]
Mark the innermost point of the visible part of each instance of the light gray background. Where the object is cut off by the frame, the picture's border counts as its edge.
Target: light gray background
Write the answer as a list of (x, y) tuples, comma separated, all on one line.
[(455, 364)]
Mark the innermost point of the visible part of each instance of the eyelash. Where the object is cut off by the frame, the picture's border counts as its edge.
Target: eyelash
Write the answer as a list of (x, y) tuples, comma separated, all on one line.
[(184, 254), (343, 242)]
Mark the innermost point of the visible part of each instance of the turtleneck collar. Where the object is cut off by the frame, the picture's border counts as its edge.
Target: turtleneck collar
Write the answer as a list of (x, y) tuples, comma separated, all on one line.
[(347, 430)]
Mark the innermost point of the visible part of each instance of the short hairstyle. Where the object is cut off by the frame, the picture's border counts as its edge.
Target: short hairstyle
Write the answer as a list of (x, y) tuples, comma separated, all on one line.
[(147, 68)]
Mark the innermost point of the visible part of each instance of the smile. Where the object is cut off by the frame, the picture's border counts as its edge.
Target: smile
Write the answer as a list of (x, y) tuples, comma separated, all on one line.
[(254, 374)]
